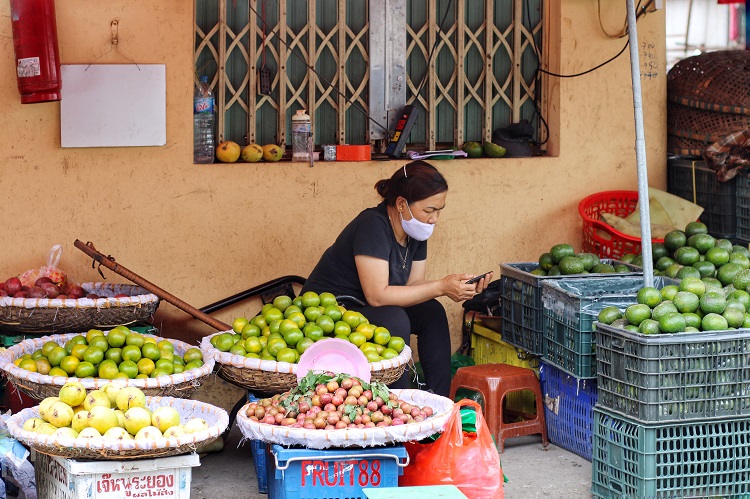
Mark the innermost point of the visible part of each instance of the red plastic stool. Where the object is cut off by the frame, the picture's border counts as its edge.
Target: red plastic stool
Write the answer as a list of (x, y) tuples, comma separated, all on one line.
[(494, 382)]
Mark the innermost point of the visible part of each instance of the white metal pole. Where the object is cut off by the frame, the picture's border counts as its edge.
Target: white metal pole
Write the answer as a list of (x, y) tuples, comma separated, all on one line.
[(640, 149)]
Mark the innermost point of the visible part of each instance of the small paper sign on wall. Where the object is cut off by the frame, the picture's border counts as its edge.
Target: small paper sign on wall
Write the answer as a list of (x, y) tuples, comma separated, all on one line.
[(113, 105)]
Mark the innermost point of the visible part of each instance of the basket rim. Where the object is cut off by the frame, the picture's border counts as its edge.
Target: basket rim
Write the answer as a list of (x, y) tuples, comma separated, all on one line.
[(85, 303), (240, 362), (352, 437), (8, 356), (99, 448)]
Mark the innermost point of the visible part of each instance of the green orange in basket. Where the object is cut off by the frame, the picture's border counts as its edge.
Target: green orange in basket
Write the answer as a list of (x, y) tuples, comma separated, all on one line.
[(740, 259), (705, 268), (325, 323), (672, 322), (48, 347), (571, 265), (663, 263), (713, 302), (287, 354), (648, 295), (674, 240), (42, 365), (28, 364), (717, 256), (239, 323), (93, 355), (273, 314), (668, 292), (635, 314), (560, 251), (313, 331), (714, 322), (686, 255), (734, 316), (69, 364), (310, 299), (108, 369), (85, 370), (114, 354), (609, 314), (341, 328), (151, 351), (663, 309), (131, 352), (692, 320), (282, 302), (688, 271), (327, 299), (56, 355), (686, 301), (135, 339), (312, 313), (649, 326), (259, 321), (99, 342), (145, 366), (693, 228), (303, 345), (116, 337), (293, 336)]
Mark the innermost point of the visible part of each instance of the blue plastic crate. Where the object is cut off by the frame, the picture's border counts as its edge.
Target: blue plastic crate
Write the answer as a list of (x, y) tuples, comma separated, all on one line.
[(568, 409), (258, 449), (333, 473), (696, 459)]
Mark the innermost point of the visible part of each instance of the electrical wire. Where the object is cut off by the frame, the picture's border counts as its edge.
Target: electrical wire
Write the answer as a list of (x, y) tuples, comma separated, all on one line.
[(640, 11), (432, 50), (320, 77)]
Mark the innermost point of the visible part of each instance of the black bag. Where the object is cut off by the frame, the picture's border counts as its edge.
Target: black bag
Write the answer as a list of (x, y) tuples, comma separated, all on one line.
[(516, 138), (485, 303)]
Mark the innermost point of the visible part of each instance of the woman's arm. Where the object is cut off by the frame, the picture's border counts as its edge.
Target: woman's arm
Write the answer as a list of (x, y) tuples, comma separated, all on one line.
[(373, 275)]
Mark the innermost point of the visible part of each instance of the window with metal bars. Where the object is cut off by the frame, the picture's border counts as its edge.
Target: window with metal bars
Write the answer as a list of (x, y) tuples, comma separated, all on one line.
[(469, 66)]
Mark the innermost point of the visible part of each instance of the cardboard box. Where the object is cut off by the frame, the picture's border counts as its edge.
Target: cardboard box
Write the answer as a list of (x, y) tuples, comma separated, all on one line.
[(62, 478)]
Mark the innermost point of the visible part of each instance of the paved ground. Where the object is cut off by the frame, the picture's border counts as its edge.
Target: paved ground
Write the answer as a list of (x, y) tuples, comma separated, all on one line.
[(532, 471)]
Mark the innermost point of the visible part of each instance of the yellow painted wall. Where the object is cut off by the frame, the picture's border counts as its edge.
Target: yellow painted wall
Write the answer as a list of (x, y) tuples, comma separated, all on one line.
[(206, 232)]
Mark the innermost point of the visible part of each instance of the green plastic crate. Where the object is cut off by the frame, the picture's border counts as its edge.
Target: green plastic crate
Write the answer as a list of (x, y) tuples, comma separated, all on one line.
[(698, 459), (571, 307), (673, 377), (521, 302)]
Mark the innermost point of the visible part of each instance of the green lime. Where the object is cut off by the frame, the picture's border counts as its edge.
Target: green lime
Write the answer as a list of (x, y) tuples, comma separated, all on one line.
[(745, 323), (694, 285), (662, 309), (740, 259), (740, 250), (717, 256), (627, 258), (686, 301), (538, 271), (589, 260), (714, 322), (674, 240), (658, 250), (713, 302), (705, 268), (669, 291), (688, 271), (725, 244), (603, 268), (701, 242), (546, 262), (686, 255), (727, 273), (692, 320), (649, 326), (741, 280), (672, 270), (610, 314), (663, 263), (560, 251), (648, 296), (570, 265), (712, 284), (672, 322), (740, 296), (695, 228), (555, 270), (635, 314)]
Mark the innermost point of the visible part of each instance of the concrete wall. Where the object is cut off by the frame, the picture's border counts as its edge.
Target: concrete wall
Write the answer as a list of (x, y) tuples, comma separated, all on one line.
[(206, 232)]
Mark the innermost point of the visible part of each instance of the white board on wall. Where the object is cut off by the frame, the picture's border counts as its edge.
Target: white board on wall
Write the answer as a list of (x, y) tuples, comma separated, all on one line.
[(113, 105)]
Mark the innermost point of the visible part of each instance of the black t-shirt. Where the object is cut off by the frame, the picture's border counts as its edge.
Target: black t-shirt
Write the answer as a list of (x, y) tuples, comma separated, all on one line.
[(371, 234)]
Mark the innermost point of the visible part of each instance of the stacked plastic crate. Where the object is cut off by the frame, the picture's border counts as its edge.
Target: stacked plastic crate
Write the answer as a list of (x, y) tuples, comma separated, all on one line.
[(568, 370), (673, 415)]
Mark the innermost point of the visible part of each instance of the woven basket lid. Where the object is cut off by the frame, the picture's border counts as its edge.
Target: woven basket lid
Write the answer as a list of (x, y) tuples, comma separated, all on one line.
[(716, 81)]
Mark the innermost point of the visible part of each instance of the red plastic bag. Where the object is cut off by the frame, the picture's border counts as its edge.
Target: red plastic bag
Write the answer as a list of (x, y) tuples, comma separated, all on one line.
[(467, 460)]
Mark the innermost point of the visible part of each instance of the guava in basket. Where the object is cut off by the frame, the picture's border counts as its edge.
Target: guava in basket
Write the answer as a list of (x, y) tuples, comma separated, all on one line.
[(116, 422)]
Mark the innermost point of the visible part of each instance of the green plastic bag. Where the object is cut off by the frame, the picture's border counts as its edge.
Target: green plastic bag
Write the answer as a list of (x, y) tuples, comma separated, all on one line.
[(458, 360)]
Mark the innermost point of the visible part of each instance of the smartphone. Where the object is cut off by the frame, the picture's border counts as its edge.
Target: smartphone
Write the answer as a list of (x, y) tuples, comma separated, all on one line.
[(477, 278)]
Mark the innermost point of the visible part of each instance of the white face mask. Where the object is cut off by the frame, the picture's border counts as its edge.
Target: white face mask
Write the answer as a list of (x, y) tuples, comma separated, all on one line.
[(415, 229)]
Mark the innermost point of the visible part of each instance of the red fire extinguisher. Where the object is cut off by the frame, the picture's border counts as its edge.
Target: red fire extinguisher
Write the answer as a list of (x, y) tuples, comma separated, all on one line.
[(37, 55)]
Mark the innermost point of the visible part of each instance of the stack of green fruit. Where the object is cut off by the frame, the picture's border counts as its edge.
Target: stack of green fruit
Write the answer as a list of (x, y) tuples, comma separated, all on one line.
[(562, 260), (695, 253), (693, 305), (286, 327), (120, 353)]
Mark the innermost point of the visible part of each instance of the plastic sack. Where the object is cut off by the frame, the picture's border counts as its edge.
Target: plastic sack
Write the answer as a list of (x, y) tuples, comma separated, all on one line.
[(467, 460), (57, 276)]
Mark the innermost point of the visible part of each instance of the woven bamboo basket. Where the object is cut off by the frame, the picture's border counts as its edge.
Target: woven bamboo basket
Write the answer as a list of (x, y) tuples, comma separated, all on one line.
[(38, 386), (355, 437), (47, 316), (101, 449), (275, 377), (708, 97)]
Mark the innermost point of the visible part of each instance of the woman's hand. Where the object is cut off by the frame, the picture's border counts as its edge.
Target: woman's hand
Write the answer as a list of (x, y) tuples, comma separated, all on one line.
[(455, 287), (482, 284)]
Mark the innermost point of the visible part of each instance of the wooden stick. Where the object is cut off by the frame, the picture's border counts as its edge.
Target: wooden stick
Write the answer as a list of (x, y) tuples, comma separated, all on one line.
[(110, 263)]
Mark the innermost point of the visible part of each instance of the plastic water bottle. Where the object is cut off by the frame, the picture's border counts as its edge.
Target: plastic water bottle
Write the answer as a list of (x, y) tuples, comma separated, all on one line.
[(203, 123), (301, 136)]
